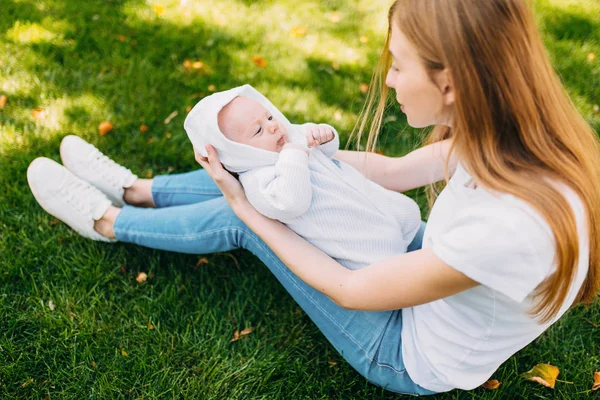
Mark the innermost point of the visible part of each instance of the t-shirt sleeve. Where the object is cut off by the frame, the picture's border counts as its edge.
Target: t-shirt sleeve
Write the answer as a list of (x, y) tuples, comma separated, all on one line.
[(507, 249)]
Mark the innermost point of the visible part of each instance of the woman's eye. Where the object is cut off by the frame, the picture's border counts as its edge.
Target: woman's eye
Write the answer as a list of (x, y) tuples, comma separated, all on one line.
[(395, 69)]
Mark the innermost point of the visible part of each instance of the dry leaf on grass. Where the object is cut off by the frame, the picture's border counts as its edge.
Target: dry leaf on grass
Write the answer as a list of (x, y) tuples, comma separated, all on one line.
[(259, 61), (104, 128), (596, 384), (591, 57), (201, 261), (211, 88), (544, 374), (3, 100), (141, 277), (143, 128), (237, 335), (38, 114), (492, 384)]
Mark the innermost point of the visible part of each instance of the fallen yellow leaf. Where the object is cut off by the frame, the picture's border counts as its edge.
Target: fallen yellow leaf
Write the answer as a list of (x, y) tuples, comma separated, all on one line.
[(188, 109), (3, 100), (150, 326), (27, 382), (38, 113), (121, 38), (123, 352), (211, 88), (591, 57), (93, 364), (544, 374), (168, 135), (197, 65), (187, 64), (104, 127), (143, 128), (236, 336), (158, 9), (596, 384), (246, 331), (299, 31), (491, 384), (259, 61), (202, 261), (141, 277)]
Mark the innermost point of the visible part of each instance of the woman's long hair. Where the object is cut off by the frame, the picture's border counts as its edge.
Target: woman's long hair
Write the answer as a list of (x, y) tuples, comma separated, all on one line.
[(515, 129)]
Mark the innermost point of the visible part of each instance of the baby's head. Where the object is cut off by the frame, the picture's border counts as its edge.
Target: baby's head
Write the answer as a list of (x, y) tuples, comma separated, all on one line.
[(245, 121)]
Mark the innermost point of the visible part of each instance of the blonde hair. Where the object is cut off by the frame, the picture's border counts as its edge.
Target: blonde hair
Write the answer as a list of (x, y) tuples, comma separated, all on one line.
[(513, 123)]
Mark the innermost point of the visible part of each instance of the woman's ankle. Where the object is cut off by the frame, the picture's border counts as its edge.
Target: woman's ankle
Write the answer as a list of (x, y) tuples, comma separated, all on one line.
[(105, 225), (140, 194)]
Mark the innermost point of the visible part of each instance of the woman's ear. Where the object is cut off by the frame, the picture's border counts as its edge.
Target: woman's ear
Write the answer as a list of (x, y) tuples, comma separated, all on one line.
[(444, 82)]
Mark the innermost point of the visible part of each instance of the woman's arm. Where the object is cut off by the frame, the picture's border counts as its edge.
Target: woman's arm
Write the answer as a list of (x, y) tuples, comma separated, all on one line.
[(418, 168), (402, 281)]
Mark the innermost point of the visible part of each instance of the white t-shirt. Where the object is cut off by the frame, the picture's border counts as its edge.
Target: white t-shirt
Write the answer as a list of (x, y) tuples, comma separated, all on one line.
[(505, 245)]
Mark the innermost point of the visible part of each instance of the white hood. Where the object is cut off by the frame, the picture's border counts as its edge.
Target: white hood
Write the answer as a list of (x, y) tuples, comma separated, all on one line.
[(202, 128)]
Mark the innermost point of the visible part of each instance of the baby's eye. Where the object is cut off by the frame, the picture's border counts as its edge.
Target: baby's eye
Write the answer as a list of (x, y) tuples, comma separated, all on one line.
[(270, 118), (258, 131)]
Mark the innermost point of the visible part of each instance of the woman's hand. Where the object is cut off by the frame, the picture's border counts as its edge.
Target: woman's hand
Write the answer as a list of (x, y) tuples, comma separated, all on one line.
[(230, 187)]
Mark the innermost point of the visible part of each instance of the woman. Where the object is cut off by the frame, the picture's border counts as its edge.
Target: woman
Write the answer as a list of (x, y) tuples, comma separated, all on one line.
[(511, 243)]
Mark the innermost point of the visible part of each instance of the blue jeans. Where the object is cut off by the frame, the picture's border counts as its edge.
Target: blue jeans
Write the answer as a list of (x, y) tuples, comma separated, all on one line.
[(193, 217)]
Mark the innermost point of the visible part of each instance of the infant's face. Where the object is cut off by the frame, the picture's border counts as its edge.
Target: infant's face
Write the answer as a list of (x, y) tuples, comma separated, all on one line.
[(246, 121)]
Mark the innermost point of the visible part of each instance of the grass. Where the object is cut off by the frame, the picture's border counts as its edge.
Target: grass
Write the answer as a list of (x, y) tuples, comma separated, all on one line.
[(117, 60)]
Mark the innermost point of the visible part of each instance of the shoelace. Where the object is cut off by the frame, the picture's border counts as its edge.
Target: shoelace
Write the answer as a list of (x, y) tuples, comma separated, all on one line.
[(80, 195), (110, 170)]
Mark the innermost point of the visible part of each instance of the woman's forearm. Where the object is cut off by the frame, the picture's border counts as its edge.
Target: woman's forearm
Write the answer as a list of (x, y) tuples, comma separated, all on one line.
[(418, 168), (306, 261)]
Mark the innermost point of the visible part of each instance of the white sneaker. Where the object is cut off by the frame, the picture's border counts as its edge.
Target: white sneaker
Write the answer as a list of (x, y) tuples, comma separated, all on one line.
[(67, 197), (88, 163)]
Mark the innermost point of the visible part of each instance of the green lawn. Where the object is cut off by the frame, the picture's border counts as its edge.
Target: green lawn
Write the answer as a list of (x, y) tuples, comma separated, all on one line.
[(84, 62)]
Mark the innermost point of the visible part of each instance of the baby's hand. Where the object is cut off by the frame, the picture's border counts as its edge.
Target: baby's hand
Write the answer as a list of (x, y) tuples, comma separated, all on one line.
[(319, 134)]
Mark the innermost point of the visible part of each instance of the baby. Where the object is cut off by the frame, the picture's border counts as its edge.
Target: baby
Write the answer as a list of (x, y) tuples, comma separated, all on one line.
[(288, 173)]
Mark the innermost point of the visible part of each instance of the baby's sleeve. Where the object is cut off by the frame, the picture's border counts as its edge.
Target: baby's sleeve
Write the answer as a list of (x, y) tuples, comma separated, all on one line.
[(329, 148), (504, 248), (283, 191)]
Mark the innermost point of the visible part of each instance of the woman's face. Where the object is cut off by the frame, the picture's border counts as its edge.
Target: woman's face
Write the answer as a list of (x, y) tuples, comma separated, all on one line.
[(424, 102)]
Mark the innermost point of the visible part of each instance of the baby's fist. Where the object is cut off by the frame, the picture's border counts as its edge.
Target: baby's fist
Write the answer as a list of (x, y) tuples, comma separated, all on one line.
[(319, 134)]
